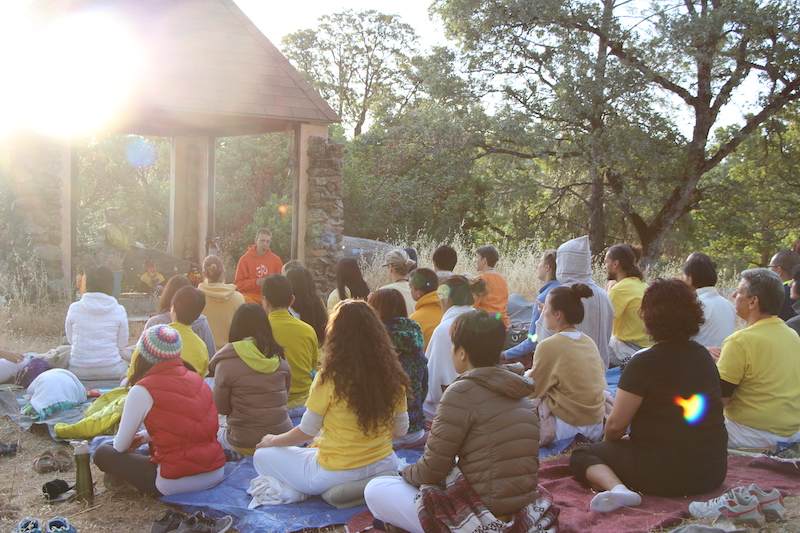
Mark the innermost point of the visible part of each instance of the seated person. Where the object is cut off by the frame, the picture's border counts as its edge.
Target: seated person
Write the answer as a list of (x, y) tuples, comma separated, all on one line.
[(456, 295), (187, 305), (444, 261), (199, 326), (349, 283), (485, 425), (628, 334), (177, 410), (669, 395), (152, 279), (97, 328), (222, 300), (700, 273), (427, 310), (356, 405), (760, 367), (494, 299), (398, 266), (794, 322), (567, 372), (9, 365), (251, 382), (406, 337), (783, 264), (298, 339)]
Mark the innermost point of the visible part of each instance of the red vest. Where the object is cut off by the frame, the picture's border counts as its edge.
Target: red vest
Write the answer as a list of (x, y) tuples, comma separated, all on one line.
[(182, 423)]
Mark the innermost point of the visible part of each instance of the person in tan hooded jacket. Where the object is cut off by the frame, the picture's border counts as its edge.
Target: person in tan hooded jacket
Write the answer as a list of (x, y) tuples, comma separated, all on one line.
[(485, 425), (222, 299), (251, 382)]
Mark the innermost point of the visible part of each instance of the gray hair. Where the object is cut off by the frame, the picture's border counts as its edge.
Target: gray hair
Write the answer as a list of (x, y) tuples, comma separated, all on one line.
[(767, 287)]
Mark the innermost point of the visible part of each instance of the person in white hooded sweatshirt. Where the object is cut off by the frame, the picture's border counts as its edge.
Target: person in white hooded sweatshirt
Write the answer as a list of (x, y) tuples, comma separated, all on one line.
[(97, 329), (574, 265)]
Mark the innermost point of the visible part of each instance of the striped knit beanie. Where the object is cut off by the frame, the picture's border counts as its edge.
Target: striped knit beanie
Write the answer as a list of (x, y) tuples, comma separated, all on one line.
[(159, 343)]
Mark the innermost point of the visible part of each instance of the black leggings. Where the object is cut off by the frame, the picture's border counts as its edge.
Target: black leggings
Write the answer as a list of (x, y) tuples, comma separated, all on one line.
[(131, 467), (653, 471)]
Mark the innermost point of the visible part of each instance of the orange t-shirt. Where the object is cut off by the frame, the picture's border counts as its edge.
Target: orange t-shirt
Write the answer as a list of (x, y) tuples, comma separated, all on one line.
[(251, 268), (495, 300)]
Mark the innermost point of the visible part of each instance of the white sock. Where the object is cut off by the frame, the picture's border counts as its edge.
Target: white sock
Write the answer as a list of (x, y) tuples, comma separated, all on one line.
[(611, 500)]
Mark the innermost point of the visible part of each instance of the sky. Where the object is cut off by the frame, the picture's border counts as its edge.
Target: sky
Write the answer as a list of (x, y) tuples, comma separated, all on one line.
[(276, 20)]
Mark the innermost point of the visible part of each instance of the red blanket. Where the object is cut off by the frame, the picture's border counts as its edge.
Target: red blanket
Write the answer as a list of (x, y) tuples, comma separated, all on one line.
[(572, 500)]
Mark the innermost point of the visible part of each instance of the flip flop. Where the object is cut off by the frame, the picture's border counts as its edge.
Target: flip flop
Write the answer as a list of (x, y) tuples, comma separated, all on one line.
[(58, 459)]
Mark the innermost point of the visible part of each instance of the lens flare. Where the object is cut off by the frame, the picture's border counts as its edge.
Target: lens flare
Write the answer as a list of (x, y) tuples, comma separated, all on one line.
[(694, 407)]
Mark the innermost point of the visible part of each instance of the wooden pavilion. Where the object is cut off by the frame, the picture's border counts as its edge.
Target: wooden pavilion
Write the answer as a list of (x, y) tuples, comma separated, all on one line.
[(207, 72)]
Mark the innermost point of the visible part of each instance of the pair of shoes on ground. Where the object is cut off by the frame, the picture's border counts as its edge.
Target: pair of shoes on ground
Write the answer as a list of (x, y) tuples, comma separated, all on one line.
[(177, 522), (58, 459), (749, 505), (58, 524)]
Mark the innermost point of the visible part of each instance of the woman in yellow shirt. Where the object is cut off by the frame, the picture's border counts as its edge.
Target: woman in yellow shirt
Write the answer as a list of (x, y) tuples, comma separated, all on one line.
[(356, 405)]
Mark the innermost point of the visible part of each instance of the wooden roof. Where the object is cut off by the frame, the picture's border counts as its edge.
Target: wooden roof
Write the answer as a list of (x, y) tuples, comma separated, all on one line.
[(208, 71)]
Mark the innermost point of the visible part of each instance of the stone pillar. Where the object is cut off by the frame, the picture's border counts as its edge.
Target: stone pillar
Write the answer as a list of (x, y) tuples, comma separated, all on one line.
[(191, 211), (303, 133), (324, 211), (41, 174)]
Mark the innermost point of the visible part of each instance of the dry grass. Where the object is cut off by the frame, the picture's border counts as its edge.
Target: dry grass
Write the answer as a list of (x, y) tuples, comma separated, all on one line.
[(31, 327)]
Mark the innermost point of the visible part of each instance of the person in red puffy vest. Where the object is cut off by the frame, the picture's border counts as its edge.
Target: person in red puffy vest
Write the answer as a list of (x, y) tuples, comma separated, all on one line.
[(178, 412)]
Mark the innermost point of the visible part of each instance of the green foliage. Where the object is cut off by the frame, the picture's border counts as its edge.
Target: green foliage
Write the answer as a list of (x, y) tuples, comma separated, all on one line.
[(275, 214)]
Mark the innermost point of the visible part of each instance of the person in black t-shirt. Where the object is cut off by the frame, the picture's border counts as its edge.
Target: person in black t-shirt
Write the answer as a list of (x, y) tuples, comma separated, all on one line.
[(670, 397)]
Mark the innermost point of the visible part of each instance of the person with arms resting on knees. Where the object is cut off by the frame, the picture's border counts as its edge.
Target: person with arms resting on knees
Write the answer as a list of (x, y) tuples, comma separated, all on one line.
[(494, 299), (222, 300), (760, 367), (574, 265), (200, 326), (628, 334), (178, 413), (700, 273), (444, 261), (251, 382), (567, 371), (669, 395), (187, 304), (349, 283), (546, 272), (399, 265), (406, 337), (97, 328), (356, 405), (298, 339), (257, 263), (428, 307), (485, 425), (783, 264), (456, 293), (794, 323)]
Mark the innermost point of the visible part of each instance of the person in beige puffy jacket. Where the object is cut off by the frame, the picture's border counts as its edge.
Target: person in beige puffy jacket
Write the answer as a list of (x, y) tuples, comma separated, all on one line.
[(485, 424)]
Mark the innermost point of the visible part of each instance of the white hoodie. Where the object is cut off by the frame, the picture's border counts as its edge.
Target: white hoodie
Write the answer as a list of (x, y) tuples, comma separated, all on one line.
[(574, 265), (97, 329)]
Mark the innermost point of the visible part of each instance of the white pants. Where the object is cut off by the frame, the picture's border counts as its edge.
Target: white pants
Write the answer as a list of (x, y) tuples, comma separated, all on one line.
[(298, 468), (393, 501), (8, 370), (592, 432), (740, 436), (620, 352), (113, 371)]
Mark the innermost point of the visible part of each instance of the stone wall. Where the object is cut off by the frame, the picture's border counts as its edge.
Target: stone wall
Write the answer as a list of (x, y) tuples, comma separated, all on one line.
[(325, 211)]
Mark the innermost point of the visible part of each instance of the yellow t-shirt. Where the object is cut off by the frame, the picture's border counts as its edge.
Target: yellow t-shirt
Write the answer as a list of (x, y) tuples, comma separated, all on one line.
[(626, 298), (764, 361), (301, 349), (193, 350), (342, 444)]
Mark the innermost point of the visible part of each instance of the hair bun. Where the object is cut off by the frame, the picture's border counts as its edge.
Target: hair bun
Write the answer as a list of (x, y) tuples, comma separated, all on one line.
[(582, 290)]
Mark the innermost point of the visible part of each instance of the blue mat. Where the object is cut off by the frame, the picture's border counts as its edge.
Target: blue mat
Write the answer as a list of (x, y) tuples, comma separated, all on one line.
[(612, 379)]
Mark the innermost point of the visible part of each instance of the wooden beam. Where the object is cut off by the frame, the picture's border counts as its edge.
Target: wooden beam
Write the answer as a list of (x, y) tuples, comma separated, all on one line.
[(191, 196)]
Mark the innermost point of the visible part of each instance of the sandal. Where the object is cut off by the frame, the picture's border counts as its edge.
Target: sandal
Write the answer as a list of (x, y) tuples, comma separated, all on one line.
[(59, 459), (9, 449)]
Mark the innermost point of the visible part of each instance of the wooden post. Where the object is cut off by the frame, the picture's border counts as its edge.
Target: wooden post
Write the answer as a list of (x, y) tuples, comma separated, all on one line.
[(302, 133), (191, 196)]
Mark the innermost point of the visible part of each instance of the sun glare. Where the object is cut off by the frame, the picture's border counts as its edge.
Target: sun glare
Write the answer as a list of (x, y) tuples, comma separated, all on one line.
[(70, 77)]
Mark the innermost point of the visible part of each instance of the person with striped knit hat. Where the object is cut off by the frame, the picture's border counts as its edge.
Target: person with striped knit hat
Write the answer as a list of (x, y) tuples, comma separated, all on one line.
[(178, 412)]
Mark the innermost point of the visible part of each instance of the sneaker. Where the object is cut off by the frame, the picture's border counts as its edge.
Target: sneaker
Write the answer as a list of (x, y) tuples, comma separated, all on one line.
[(737, 505), (202, 523), (169, 522), (28, 525), (59, 524), (770, 503)]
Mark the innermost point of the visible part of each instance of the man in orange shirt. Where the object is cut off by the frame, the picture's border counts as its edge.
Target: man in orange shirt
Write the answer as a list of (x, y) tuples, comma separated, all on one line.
[(494, 299), (257, 263)]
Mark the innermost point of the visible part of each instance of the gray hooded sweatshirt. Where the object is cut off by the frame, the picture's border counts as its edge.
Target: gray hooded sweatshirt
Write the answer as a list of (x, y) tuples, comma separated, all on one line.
[(574, 265)]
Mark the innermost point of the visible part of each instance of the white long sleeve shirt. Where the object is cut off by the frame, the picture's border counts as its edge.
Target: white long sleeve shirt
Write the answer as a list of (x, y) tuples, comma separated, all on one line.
[(97, 328), (720, 317)]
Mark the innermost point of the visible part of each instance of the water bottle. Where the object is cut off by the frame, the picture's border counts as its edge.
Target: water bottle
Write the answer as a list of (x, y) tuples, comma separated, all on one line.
[(84, 487)]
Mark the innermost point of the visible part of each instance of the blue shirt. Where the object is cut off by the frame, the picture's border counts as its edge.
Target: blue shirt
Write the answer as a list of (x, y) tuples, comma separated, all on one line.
[(528, 346)]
